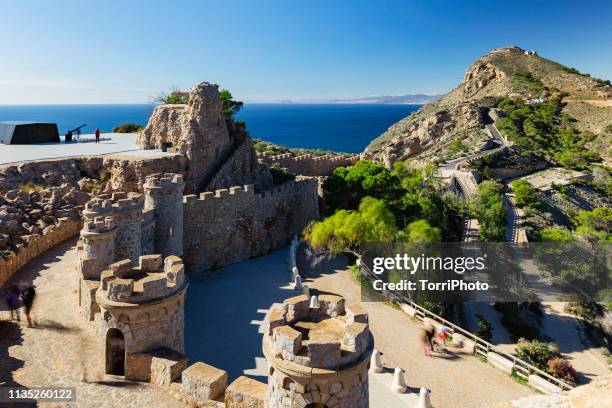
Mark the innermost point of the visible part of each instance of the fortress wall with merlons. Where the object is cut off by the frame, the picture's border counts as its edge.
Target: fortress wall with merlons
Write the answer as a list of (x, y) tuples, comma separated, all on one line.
[(309, 164), (38, 244), (236, 224)]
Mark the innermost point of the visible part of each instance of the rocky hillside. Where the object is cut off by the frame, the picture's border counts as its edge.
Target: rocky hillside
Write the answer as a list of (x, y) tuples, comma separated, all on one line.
[(432, 133)]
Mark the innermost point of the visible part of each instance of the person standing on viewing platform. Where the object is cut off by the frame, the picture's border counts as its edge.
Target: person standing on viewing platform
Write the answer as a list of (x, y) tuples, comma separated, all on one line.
[(97, 135)]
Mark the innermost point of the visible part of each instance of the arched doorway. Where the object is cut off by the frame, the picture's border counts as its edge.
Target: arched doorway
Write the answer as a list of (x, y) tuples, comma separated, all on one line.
[(115, 352), (316, 405)]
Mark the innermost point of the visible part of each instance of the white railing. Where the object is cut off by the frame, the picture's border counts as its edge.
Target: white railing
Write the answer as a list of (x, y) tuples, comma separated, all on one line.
[(481, 346)]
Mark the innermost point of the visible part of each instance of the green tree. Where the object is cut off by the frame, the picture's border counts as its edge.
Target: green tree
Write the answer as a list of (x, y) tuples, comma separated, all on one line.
[(349, 230), (524, 193), (230, 106), (421, 231), (489, 209), (347, 186)]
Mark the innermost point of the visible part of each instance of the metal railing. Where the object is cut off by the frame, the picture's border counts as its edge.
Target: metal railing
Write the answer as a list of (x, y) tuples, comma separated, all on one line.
[(522, 368)]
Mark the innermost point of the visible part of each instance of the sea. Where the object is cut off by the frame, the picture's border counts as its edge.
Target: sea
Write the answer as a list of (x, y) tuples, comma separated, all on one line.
[(338, 127)]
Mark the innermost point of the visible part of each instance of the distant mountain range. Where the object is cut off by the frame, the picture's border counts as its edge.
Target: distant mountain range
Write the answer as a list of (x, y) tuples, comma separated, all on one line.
[(409, 98)]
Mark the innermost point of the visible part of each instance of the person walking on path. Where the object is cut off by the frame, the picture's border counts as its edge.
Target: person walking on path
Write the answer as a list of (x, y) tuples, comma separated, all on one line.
[(27, 298), (427, 337), (97, 135), (13, 300)]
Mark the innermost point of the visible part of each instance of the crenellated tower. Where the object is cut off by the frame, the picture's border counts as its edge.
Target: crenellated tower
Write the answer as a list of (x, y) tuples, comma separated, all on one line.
[(127, 212), (318, 353), (164, 195), (141, 310), (96, 249)]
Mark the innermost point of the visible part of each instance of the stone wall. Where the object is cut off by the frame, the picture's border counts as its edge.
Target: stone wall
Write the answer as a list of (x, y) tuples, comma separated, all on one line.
[(310, 165), (232, 225), (53, 235), (164, 194), (517, 170)]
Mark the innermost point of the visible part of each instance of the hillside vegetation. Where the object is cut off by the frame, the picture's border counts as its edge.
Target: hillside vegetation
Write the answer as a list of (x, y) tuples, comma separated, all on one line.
[(508, 76)]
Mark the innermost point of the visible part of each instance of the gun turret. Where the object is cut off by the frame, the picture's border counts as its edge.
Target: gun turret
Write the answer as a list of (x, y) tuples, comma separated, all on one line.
[(76, 130)]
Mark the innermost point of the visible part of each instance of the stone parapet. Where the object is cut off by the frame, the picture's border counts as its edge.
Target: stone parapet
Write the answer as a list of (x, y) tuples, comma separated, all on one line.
[(148, 281), (51, 236), (245, 392)]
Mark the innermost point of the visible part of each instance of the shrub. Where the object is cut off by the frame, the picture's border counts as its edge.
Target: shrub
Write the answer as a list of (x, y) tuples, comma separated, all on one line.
[(129, 127), (230, 106), (536, 352), (280, 175), (561, 368), (554, 235), (524, 193), (31, 187), (485, 329), (515, 319)]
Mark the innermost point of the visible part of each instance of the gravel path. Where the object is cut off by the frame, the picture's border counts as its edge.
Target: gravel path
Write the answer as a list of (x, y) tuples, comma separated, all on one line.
[(62, 349), (455, 379)]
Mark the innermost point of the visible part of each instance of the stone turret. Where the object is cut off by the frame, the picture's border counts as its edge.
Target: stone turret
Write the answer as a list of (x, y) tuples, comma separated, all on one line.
[(127, 211), (97, 246), (96, 250), (318, 353), (141, 310), (164, 195)]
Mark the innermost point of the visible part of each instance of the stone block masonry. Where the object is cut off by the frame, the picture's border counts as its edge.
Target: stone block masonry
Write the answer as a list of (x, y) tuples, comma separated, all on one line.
[(235, 224), (309, 164), (38, 244)]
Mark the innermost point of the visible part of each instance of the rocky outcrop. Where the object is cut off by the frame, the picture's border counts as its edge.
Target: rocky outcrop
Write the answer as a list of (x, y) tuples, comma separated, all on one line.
[(128, 174), (241, 167), (432, 125), (32, 222), (200, 131)]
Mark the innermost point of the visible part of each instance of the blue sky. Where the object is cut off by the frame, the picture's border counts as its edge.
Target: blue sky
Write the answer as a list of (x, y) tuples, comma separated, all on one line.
[(126, 51)]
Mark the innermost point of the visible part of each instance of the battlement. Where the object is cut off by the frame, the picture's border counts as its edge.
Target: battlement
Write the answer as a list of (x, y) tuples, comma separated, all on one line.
[(242, 192), (134, 202), (151, 280), (97, 207), (310, 164), (318, 333), (99, 225), (224, 193), (167, 181)]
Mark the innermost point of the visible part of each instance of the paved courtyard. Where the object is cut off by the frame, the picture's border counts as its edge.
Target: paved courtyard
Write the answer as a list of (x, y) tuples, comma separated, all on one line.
[(112, 143)]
